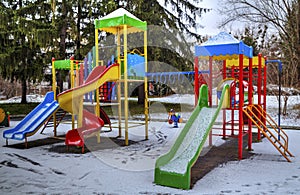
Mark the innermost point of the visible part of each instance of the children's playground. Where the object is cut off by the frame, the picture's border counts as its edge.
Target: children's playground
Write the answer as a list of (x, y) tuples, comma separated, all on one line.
[(222, 146)]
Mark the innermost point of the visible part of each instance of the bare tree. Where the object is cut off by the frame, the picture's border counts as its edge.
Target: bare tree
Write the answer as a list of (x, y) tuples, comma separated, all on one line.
[(282, 18)]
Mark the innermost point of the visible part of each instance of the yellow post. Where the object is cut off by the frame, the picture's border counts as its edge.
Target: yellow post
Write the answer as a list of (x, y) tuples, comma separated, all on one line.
[(97, 109), (72, 86), (125, 85), (77, 74), (146, 85), (54, 91), (119, 83)]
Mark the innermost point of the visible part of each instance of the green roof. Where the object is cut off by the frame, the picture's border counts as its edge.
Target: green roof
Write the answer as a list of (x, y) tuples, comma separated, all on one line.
[(119, 18)]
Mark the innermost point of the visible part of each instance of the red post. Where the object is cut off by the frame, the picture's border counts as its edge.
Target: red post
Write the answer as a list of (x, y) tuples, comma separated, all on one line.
[(241, 104), (210, 92), (8, 119), (224, 110), (250, 94), (224, 69), (196, 80), (259, 78), (232, 106), (265, 88), (81, 73), (210, 80)]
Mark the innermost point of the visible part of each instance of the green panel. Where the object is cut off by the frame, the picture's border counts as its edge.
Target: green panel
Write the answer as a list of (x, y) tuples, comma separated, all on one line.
[(110, 22), (62, 64), (135, 23), (177, 180)]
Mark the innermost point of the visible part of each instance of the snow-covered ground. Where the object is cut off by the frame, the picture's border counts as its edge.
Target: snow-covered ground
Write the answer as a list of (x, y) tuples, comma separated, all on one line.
[(129, 170)]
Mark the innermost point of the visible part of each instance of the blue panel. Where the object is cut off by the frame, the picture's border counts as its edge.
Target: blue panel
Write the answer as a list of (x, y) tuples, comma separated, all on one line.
[(135, 65)]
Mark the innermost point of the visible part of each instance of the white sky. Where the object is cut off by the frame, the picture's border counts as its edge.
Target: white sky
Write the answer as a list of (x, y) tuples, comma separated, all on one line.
[(212, 19)]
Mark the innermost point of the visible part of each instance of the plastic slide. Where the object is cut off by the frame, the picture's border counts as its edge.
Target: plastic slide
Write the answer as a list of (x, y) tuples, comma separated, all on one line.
[(90, 124), (105, 118), (70, 101), (34, 120), (174, 168)]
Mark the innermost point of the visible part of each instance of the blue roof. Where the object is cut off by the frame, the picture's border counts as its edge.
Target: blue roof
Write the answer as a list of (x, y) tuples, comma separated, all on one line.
[(223, 46)]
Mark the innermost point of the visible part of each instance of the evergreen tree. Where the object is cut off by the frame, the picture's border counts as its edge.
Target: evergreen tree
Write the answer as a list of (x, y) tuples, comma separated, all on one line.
[(170, 25), (25, 29)]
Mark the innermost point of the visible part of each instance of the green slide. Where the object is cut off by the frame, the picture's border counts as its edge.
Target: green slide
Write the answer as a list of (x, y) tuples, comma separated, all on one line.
[(174, 168)]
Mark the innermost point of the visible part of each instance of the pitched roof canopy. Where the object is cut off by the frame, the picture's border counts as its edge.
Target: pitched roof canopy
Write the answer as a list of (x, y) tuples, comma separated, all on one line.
[(117, 19), (223, 46)]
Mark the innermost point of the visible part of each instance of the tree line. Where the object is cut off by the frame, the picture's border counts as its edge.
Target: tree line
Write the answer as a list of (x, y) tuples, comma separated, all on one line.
[(34, 31)]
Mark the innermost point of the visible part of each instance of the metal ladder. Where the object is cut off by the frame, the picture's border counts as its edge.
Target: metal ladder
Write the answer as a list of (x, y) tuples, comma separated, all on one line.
[(274, 133), (60, 114)]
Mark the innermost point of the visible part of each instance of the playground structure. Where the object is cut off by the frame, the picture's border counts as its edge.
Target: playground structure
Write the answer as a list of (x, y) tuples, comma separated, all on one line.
[(239, 66), (235, 94), (4, 118), (119, 22), (240, 70), (88, 76)]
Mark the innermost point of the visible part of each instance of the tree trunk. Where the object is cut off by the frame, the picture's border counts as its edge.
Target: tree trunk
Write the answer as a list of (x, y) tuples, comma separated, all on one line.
[(285, 100), (78, 56), (24, 91)]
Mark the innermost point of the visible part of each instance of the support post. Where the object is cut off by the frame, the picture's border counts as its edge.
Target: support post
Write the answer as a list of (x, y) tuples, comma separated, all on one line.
[(119, 83), (125, 85), (146, 85), (265, 89), (54, 91), (96, 58), (259, 89), (210, 93), (250, 100), (224, 110), (241, 102), (72, 76), (196, 79)]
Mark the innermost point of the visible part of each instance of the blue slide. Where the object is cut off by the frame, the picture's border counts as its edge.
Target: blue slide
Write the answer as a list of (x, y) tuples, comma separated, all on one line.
[(34, 120)]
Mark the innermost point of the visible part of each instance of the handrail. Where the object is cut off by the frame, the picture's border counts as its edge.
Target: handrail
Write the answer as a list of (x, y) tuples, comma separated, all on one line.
[(277, 129), (254, 112)]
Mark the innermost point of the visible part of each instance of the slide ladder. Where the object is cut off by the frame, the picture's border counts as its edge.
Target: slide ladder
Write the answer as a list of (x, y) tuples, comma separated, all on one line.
[(273, 132), (60, 114)]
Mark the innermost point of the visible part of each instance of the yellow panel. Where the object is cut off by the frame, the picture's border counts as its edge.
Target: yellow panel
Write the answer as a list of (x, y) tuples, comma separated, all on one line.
[(2, 115), (235, 62)]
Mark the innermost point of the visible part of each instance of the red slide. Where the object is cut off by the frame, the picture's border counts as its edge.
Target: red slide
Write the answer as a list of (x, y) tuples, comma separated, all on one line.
[(90, 124)]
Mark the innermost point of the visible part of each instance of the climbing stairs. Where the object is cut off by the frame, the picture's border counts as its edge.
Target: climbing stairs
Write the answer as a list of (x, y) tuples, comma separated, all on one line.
[(269, 128)]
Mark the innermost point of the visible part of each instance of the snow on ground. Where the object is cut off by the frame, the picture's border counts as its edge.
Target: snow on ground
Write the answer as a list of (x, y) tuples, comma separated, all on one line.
[(129, 170)]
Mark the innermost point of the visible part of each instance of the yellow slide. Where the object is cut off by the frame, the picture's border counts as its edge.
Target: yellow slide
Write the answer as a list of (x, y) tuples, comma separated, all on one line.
[(70, 100)]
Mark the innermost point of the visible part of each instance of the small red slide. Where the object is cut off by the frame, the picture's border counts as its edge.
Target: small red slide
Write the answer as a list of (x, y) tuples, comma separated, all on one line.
[(90, 124)]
